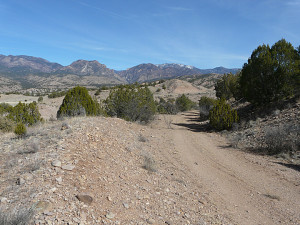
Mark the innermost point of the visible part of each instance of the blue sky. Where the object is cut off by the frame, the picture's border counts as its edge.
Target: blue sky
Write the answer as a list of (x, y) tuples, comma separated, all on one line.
[(125, 33)]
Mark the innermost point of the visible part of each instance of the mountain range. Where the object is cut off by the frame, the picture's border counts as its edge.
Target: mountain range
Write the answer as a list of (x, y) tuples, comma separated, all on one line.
[(28, 71)]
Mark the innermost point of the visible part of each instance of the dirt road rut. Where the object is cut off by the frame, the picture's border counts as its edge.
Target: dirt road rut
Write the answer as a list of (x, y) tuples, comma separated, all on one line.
[(250, 189)]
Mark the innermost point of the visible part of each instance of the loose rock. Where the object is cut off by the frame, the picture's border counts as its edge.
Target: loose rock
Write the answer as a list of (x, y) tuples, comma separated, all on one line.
[(110, 215), (68, 167), (56, 163), (87, 199)]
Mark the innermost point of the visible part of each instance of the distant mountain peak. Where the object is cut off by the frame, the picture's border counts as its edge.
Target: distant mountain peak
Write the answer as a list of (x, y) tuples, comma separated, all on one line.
[(19, 67), (25, 64), (174, 65)]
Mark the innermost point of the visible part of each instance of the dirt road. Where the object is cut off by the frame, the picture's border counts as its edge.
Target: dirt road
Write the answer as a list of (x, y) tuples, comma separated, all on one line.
[(250, 189)]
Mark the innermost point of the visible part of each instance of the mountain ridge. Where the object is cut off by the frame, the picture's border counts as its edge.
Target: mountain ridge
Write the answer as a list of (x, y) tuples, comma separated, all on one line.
[(23, 68)]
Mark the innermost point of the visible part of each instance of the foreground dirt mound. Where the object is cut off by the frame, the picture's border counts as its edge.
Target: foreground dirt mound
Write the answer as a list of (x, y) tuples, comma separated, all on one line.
[(99, 171)]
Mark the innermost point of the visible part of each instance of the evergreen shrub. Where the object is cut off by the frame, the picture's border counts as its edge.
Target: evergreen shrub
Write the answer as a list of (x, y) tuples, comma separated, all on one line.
[(78, 102), (221, 117)]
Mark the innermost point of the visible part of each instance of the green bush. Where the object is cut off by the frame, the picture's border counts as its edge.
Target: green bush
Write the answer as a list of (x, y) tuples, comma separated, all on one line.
[(27, 114), (166, 107), (205, 105), (97, 92), (271, 74), (131, 102), (78, 102), (6, 125), (228, 86), (56, 94), (40, 99), (221, 117), (5, 108), (20, 129), (183, 103)]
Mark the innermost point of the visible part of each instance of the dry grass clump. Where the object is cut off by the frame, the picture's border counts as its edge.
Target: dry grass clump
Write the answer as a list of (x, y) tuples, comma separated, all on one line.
[(20, 216), (141, 138), (149, 163), (33, 146), (284, 138)]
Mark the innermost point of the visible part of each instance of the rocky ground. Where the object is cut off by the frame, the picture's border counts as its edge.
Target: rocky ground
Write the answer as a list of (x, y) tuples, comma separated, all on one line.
[(175, 170), (256, 125), (99, 171)]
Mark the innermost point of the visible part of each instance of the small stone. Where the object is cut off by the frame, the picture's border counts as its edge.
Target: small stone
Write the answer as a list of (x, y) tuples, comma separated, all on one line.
[(43, 206), (85, 198), (28, 176), (68, 167), (59, 180), (47, 213), (109, 198), (76, 220), (53, 189), (20, 181), (56, 163), (110, 215), (2, 200), (146, 197), (126, 205), (150, 221)]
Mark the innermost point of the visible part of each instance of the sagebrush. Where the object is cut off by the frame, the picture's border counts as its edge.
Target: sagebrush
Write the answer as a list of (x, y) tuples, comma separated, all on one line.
[(284, 138), (21, 216)]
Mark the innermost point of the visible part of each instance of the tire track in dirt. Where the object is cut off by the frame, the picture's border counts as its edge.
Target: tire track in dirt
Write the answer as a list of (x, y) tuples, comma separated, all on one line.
[(248, 192)]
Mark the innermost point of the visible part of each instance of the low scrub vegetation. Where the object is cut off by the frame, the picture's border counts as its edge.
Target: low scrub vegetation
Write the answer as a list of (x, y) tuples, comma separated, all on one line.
[(40, 99), (183, 103), (57, 94), (167, 107), (222, 116), (5, 108), (228, 87), (20, 130), (78, 102), (28, 114), (17, 118), (149, 163), (131, 102), (282, 139), (206, 104), (21, 216), (6, 124), (101, 89)]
